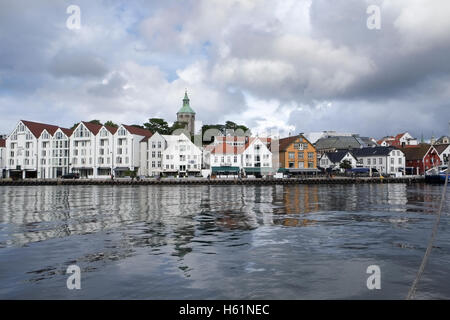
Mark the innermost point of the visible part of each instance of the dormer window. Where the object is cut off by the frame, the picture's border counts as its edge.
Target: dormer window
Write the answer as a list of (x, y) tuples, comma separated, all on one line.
[(122, 132)]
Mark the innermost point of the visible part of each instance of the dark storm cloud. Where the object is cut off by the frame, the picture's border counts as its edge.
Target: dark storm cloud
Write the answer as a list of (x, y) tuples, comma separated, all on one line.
[(77, 64), (310, 64)]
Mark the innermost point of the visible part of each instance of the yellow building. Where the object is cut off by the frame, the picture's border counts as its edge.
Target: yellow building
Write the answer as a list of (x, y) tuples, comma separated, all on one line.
[(297, 152)]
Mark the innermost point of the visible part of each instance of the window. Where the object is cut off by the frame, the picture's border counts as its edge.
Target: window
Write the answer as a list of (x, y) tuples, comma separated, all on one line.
[(122, 132), (300, 155), (235, 159), (380, 160), (291, 165), (291, 155), (153, 154), (400, 161), (310, 155), (159, 144), (310, 165), (392, 160), (368, 161)]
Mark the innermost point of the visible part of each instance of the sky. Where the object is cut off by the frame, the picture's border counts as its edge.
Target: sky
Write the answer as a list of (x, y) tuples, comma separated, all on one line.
[(292, 65)]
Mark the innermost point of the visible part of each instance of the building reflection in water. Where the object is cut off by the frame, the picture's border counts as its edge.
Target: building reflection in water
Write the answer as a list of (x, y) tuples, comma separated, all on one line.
[(178, 220)]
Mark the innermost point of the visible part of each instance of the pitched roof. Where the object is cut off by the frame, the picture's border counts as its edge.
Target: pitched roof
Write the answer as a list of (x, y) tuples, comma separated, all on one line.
[(416, 152), (138, 131), (441, 147), (338, 142), (92, 127), (2, 143), (372, 151), (111, 129), (36, 128), (336, 156), (284, 143), (67, 132), (224, 148)]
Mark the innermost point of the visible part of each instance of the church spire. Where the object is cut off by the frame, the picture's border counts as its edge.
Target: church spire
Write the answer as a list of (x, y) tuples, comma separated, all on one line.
[(186, 106)]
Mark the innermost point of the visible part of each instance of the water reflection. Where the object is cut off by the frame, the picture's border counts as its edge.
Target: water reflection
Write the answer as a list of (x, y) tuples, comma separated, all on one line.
[(206, 232)]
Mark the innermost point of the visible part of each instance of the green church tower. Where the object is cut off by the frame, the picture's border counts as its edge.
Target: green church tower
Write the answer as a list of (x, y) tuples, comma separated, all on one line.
[(187, 115)]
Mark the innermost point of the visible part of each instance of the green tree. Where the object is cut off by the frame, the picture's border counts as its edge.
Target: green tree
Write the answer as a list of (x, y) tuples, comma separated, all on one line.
[(346, 164), (157, 125), (74, 126), (109, 123), (177, 125), (95, 122)]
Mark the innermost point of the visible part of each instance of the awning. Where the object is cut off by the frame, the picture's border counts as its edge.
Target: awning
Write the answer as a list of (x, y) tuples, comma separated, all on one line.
[(304, 170), (121, 169), (225, 170)]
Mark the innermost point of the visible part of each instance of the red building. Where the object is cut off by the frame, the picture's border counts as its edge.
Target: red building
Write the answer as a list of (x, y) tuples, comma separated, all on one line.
[(421, 157)]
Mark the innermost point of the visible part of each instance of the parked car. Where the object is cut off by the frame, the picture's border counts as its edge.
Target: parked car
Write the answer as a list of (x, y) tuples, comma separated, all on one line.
[(71, 176)]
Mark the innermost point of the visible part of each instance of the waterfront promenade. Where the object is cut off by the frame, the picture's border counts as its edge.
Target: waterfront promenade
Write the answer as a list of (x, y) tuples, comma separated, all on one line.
[(216, 181)]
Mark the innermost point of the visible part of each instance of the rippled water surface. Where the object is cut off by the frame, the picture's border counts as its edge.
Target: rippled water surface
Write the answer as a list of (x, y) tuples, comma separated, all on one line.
[(221, 242)]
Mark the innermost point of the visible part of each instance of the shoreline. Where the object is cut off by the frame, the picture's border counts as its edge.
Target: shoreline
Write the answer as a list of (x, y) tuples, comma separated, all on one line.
[(203, 181)]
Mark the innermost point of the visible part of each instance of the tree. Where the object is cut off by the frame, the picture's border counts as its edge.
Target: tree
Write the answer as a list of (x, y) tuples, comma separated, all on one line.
[(109, 123), (74, 126), (346, 164), (96, 122), (157, 125), (177, 125), (137, 126)]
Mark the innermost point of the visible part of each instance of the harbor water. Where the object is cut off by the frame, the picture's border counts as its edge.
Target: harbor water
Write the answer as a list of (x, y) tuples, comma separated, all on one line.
[(222, 242)]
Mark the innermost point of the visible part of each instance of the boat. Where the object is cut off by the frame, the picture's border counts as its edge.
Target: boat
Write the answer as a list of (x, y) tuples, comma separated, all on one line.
[(436, 175)]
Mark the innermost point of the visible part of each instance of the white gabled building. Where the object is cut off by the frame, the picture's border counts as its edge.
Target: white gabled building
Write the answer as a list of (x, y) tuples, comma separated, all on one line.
[(333, 160), (180, 157), (29, 151), (127, 148), (154, 148), (246, 155), (388, 160), (2, 158), (444, 153), (83, 146)]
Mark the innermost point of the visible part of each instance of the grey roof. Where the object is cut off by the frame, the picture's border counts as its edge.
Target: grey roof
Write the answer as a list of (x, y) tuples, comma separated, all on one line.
[(372, 151), (336, 157), (340, 142)]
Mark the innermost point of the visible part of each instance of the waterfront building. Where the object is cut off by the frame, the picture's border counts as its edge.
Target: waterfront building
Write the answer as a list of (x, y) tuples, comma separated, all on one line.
[(400, 140), (97, 151), (153, 157), (29, 150), (444, 153), (333, 160), (297, 155), (421, 158), (181, 157), (187, 115), (127, 152), (387, 160), (84, 149), (443, 140), (239, 155), (2, 158), (342, 143)]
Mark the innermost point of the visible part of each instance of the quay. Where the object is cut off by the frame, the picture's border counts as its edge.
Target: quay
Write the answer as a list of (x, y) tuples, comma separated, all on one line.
[(203, 181)]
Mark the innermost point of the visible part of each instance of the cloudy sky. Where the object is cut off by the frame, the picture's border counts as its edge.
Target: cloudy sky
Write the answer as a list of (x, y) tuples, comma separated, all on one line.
[(295, 65)]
